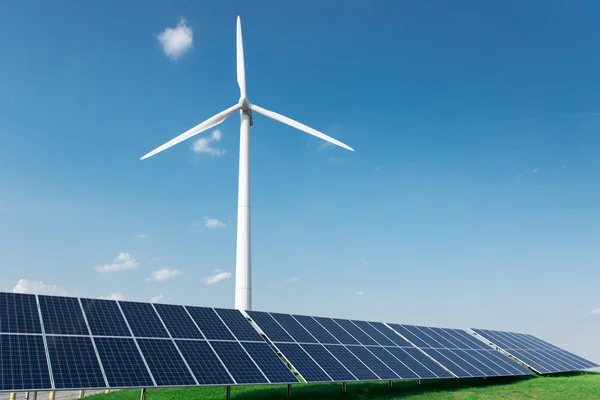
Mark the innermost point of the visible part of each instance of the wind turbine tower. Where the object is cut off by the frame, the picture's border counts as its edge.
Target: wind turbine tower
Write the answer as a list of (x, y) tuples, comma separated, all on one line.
[(243, 287)]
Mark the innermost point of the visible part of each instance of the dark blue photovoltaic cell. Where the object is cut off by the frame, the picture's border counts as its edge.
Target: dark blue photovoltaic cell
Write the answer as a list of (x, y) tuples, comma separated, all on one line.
[(178, 321), (238, 363), (419, 363), (469, 339), (448, 363), (353, 364), (62, 315), (441, 337), (479, 363), (374, 333), (408, 335), (270, 327), (315, 329), (292, 327), (393, 363), (165, 363), (430, 342), (209, 323), (375, 364), (390, 334), (19, 313), (270, 364), (332, 366), (356, 333), (302, 363), (239, 325), (506, 363), (74, 363), (143, 320), (123, 365), (105, 318), (425, 361), (203, 362), (340, 334), (23, 363)]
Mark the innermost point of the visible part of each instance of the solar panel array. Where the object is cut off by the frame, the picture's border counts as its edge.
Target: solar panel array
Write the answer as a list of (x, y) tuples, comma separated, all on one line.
[(460, 352), (63, 343), (68, 343), (340, 350), (537, 354)]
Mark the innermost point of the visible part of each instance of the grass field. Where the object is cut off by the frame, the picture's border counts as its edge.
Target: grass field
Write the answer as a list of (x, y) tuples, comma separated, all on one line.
[(584, 386)]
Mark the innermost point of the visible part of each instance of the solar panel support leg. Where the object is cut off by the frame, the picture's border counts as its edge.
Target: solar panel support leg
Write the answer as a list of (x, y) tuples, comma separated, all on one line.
[(34, 396), (419, 381), (289, 391), (228, 392), (391, 383), (143, 394), (13, 396), (344, 387), (27, 396), (81, 394), (51, 395), (106, 391)]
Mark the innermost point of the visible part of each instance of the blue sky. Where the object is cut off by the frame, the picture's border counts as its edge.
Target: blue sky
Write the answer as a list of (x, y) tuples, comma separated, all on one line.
[(472, 199)]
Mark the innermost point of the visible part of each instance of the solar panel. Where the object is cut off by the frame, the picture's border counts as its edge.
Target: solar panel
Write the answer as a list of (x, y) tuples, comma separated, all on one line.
[(62, 315), (143, 320), (23, 363), (270, 327), (204, 363), (122, 363), (237, 361), (351, 362), (210, 324), (328, 363), (104, 318), (178, 321), (74, 363), (19, 313), (239, 325), (270, 364), (165, 363), (458, 353), (308, 369), (537, 354)]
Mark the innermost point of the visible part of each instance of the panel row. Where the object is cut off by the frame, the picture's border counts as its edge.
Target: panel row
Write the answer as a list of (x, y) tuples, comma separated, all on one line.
[(79, 362), (539, 355), (332, 349), (460, 352)]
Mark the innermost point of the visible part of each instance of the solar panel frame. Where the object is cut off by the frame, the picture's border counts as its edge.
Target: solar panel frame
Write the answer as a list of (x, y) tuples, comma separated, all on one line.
[(19, 313), (104, 318), (62, 315), (31, 374)]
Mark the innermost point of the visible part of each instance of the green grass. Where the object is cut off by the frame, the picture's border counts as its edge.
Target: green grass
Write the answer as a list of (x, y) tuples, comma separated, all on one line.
[(584, 386)]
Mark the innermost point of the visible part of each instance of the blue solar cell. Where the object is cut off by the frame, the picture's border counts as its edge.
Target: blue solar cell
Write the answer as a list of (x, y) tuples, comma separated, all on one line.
[(427, 362), (303, 363), (353, 364), (239, 325), (334, 369), (332, 327), (442, 337), (165, 363), (356, 333), (74, 363), (270, 364), (390, 334), (238, 363), (421, 365), (315, 329), (375, 364), (374, 333), (178, 321), (468, 339), (533, 362), (143, 320), (270, 327), (23, 363), (424, 337), (209, 323), (456, 367), (408, 335), (392, 362), (205, 365), (122, 363), (104, 318), (481, 364), (506, 363), (62, 315), (19, 313), (292, 327)]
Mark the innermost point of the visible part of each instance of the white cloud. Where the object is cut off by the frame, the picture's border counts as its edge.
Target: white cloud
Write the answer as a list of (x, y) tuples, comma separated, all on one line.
[(292, 280), (37, 287), (204, 145), (324, 145), (213, 223), (113, 296), (217, 276), (141, 236), (163, 274), (535, 170), (365, 262), (595, 312), (176, 41), (157, 299), (124, 261), (360, 292)]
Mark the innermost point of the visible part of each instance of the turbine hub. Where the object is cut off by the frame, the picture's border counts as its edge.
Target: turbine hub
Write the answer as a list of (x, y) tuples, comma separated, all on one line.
[(244, 103)]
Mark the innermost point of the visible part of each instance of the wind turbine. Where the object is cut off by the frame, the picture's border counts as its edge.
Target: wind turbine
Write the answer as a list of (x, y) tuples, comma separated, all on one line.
[(242, 262)]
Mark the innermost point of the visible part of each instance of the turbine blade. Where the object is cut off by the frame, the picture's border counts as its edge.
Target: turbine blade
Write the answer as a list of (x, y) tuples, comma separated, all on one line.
[(298, 125), (241, 73), (209, 123)]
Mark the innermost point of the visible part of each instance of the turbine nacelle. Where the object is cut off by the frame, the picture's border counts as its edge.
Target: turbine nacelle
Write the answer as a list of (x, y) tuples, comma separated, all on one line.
[(244, 103)]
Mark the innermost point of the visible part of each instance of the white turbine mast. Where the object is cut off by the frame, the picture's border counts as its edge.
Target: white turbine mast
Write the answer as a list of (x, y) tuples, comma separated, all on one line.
[(243, 300)]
